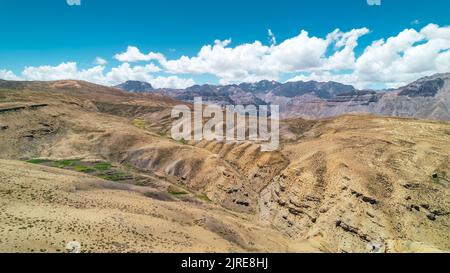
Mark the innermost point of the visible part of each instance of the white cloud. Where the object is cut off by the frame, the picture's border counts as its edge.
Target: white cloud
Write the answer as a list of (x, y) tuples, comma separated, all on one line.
[(230, 64), (405, 57), (8, 75), (256, 61), (100, 61), (171, 82), (97, 74), (94, 74), (396, 61), (133, 54), (125, 72), (74, 2), (296, 54), (272, 38), (64, 71), (392, 61), (345, 44)]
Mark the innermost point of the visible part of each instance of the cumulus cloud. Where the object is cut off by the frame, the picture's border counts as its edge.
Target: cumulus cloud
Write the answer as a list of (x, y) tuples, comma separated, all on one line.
[(8, 75), (97, 74), (256, 61), (405, 57), (241, 63), (100, 61), (126, 72), (63, 71), (171, 82), (133, 54), (74, 2), (393, 61), (344, 48)]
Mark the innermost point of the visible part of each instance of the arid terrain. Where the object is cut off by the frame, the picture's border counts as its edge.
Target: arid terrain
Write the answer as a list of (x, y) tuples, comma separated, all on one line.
[(92, 164)]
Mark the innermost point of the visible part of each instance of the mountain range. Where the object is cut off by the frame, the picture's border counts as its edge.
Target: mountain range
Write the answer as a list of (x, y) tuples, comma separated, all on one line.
[(427, 98)]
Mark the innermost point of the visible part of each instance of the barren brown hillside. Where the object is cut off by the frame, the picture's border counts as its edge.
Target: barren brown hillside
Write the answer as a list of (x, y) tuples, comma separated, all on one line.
[(341, 185)]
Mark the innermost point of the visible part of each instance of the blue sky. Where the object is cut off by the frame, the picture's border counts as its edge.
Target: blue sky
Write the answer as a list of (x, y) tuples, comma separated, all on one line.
[(51, 32)]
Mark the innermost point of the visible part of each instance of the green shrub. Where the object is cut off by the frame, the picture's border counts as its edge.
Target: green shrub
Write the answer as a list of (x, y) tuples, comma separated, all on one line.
[(114, 176), (104, 166), (83, 169), (37, 161), (204, 197), (177, 193), (65, 163)]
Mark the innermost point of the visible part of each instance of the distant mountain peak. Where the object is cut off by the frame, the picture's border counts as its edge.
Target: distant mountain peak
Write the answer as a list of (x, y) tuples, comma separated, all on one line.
[(425, 87), (258, 87), (136, 86), (320, 89)]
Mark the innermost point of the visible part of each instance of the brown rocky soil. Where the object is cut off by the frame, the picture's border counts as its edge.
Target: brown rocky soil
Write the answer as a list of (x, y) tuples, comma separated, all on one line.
[(339, 185)]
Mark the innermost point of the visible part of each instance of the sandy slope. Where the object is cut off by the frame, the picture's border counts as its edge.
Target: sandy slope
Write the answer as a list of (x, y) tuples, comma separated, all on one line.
[(44, 208)]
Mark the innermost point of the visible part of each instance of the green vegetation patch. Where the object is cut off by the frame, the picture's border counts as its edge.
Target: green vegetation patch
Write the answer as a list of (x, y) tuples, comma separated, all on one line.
[(65, 163), (104, 166), (177, 193), (117, 176), (140, 123), (83, 169), (104, 170), (203, 197), (37, 161)]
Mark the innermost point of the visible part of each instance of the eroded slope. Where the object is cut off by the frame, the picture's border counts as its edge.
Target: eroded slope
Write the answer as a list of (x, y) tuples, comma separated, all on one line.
[(345, 183)]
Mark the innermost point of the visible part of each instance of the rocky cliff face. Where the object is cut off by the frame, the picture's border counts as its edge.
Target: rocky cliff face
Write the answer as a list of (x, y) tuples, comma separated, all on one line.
[(426, 98)]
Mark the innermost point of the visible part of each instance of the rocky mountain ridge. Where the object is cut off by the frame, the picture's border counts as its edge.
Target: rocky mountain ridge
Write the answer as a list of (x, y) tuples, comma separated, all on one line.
[(136, 86), (427, 98)]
